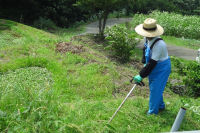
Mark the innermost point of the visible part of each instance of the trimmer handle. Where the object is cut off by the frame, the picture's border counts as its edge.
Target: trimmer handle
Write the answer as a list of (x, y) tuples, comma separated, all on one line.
[(140, 84)]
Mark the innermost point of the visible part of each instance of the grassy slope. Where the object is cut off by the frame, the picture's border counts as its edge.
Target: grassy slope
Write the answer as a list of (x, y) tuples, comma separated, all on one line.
[(79, 95)]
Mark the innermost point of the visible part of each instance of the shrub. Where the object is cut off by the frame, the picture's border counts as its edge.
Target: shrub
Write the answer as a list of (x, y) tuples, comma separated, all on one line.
[(45, 24), (173, 24), (179, 66), (121, 42), (190, 72), (192, 80)]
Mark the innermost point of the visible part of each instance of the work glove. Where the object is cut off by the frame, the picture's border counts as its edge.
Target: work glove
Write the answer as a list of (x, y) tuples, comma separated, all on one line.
[(137, 79)]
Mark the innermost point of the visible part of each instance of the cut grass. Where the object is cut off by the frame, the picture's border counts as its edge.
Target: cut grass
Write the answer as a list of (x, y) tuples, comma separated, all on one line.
[(80, 98)]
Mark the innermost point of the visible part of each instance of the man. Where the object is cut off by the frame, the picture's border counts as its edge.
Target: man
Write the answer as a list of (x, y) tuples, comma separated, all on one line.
[(157, 64)]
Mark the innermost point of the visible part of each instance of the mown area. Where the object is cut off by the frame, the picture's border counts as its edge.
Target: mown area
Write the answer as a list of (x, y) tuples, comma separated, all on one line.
[(66, 82)]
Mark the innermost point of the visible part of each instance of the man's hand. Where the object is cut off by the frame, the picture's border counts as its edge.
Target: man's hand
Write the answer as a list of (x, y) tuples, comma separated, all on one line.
[(137, 79)]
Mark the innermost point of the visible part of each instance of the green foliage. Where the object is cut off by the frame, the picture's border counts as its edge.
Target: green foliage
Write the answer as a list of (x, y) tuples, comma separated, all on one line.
[(174, 24), (145, 6), (43, 23), (64, 13), (45, 91), (192, 80), (190, 72), (179, 66), (100, 5), (190, 7), (121, 42), (61, 12)]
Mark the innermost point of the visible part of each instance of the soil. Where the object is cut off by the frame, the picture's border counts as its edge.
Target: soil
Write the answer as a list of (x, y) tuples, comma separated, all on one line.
[(64, 47), (177, 86)]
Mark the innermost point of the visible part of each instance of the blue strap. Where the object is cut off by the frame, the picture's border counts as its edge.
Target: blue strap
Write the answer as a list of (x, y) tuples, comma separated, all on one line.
[(158, 39), (148, 49)]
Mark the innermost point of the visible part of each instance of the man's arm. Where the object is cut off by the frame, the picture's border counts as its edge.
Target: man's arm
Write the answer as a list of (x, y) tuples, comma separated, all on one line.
[(156, 54), (148, 68), (143, 57)]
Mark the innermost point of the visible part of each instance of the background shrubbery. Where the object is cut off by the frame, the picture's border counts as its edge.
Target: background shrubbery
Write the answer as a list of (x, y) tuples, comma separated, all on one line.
[(190, 72), (43, 23), (61, 12), (64, 13), (174, 24)]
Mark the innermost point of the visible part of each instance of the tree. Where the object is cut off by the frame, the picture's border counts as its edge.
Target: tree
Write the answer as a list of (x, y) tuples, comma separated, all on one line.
[(189, 7), (61, 12), (101, 8), (146, 6)]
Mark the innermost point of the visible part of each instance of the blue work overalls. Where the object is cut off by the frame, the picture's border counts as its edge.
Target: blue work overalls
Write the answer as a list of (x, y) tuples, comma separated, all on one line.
[(157, 81)]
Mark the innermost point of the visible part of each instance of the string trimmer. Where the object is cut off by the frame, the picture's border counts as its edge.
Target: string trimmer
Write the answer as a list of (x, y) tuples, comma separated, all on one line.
[(141, 84)]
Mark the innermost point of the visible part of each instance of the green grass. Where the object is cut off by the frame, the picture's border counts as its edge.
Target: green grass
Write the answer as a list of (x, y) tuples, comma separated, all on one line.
[(189, 43), (45, 91), (31, 77)]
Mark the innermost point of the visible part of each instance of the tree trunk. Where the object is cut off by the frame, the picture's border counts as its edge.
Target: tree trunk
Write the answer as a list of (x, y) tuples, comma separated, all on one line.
[(104, 21), (104, 16), (100, 23)]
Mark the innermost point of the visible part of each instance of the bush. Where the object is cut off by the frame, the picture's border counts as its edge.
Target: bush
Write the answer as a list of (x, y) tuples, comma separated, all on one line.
[(43, 23), (121, 42), (190, 73), (192, 80), (179, 66), (173, 24)]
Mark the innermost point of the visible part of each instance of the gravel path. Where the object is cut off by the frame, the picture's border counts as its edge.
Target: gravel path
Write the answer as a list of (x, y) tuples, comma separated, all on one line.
[(181, 52)]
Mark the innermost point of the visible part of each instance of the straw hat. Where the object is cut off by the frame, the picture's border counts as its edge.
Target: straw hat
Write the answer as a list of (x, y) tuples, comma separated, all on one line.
[(149, 28)]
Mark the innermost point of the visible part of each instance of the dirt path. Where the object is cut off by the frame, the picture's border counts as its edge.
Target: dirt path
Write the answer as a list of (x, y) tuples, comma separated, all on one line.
[(181, 52)]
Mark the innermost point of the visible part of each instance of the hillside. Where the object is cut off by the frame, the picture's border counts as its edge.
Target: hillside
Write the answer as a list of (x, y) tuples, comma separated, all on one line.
[(60, 82)]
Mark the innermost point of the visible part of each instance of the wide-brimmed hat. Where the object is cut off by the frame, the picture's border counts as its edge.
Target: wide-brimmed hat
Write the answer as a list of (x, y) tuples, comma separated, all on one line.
[(149, 28)]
